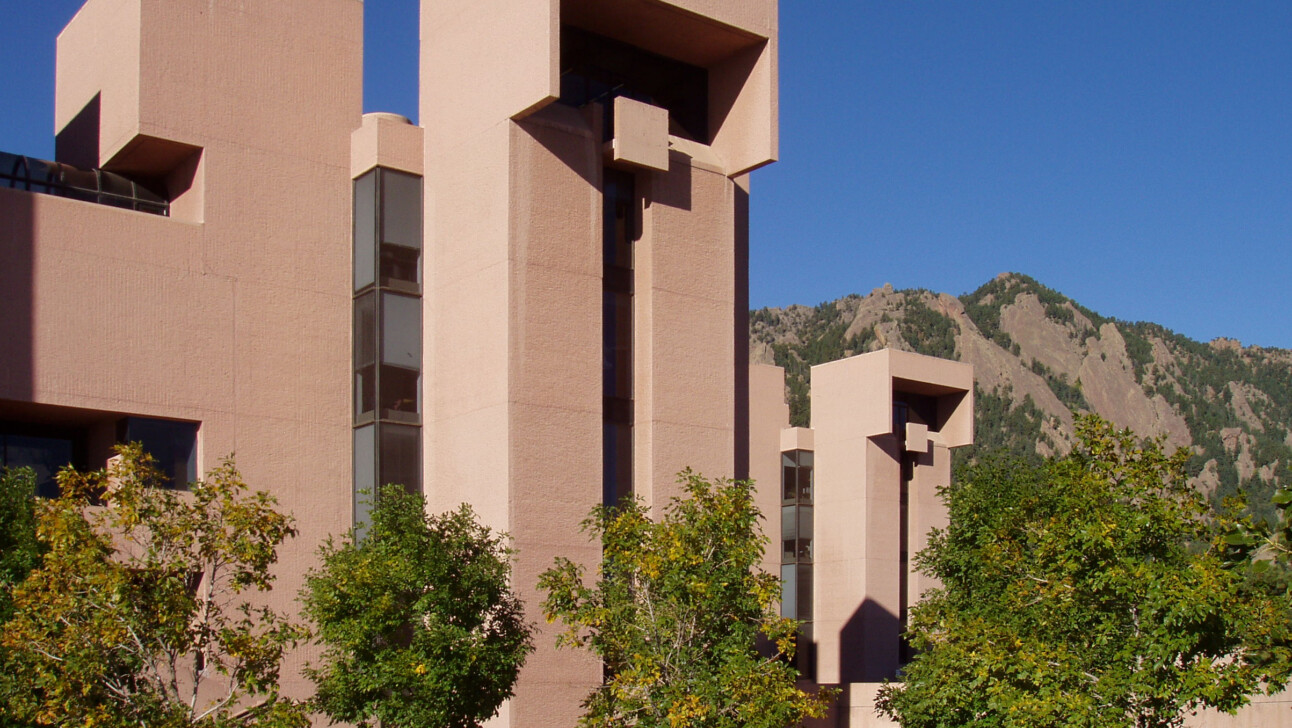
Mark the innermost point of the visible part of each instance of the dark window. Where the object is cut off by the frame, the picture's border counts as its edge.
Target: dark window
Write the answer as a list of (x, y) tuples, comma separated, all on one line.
[(399, 393), (797, 534), (88, 185), (804, 607), (399, 450), (45, 454), (172, 444), (597, 69), (917, 408), (365, 356), (619, 230)]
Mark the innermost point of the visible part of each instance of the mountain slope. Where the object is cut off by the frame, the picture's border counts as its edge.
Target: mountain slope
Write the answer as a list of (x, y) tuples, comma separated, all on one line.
[(1039, 357)]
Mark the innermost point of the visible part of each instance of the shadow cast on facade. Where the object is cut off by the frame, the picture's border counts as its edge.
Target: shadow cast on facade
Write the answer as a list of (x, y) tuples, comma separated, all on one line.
[(741, 343), (868, 645), (17, 325)]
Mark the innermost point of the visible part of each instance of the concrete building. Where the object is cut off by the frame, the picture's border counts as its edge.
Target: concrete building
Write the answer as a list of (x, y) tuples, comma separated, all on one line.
[(857, 499), (535, 301)]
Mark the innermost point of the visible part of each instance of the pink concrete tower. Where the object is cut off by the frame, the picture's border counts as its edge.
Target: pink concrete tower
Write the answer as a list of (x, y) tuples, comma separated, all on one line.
[(584, 298), (858, 497)]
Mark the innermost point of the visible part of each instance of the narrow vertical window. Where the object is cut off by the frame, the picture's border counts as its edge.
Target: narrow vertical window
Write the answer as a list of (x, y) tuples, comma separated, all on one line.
[(387, 334), (619, 231), (797, 550)]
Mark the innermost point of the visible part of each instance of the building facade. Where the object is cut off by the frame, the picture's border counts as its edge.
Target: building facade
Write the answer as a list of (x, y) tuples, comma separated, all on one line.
[(535, 301), (858, 497)]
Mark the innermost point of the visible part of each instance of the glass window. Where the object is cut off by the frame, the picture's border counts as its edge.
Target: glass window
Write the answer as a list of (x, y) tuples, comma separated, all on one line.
[(618, 198), (803, 591), (399, 394), (401, 330), (401, 209), (805, 533), (617, 352), (400, 450), (789, 477), (789, 591), (399, 268), (805, 479), (45, 455), (594, 68), (365, 355), (619, 218), (365, 472), (789, 534), (365, 230), (172, 444), (617, 462)]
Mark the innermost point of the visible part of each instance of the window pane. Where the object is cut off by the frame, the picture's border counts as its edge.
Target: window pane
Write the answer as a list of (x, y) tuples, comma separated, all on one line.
[(365, 229), (401, 331), (365, 393), (804, 592), (789, 479), (806, 657), (45, 455), (399, 393), (618, 218), (365, 356), (173, 444), (400, 450), (365, 330), (805, 533), (788, 533), (365, 472), (401, 209), (805, 483), (789, 591), (617, 464), (617, 346), (399, 265)]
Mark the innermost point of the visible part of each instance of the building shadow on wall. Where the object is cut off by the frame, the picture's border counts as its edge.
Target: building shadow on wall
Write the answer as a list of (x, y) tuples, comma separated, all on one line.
[(868, 645), (868, 653), (17, 244), (674, 189)]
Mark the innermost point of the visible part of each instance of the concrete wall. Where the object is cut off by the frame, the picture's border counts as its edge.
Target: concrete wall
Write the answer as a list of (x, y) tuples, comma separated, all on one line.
[(514, 280), (235, 311), (768, 415)]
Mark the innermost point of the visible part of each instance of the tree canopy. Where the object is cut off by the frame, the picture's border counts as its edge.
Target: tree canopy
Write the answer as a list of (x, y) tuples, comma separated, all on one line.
[(417, 620), (20, 552), (1091, 590), (678, 612), (139, 612)]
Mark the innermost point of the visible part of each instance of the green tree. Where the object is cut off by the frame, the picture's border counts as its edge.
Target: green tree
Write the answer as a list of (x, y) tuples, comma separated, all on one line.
[(1086, 591), (139, 613), (20, 552), (417, 620), (1261, 551), (677, 613)]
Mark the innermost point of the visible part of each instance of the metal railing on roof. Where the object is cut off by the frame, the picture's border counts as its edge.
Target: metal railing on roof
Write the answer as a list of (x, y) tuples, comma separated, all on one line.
[(91, 185)]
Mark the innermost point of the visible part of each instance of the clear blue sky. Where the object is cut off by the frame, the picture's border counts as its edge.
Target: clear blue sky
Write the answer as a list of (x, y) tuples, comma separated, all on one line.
[(1136, 156)]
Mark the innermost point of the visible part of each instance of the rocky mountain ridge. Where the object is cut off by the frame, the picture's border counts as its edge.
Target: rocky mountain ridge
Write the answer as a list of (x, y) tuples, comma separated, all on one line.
[(1040, 358)]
